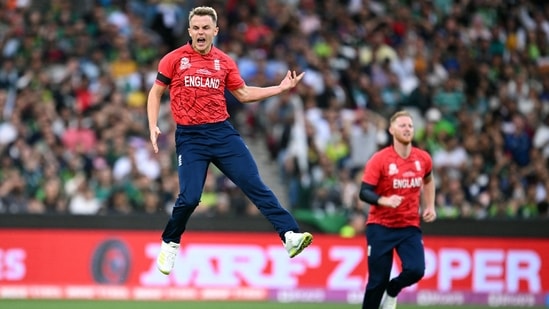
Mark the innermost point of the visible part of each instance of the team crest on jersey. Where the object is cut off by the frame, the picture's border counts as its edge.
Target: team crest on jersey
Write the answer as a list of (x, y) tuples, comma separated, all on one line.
[(393, 169), (217, 65), (418, 166), (184, 63)]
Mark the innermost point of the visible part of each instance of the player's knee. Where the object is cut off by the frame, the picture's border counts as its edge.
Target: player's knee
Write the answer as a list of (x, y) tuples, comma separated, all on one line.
[(187, 201), (416, 273)]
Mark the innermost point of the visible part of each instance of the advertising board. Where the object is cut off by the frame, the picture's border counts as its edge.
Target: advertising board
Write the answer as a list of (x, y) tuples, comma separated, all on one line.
[(119, 264)]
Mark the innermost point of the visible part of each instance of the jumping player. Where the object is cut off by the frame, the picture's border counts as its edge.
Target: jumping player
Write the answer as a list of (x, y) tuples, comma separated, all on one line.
[(197, 75), (393, 181)]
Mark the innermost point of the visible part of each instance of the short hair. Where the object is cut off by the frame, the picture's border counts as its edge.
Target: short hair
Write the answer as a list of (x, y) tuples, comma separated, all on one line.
[(203, 11), (400, 114)]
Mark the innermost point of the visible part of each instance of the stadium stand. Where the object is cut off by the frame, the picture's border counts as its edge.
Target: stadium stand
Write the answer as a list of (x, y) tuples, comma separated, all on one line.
[(475, 74)]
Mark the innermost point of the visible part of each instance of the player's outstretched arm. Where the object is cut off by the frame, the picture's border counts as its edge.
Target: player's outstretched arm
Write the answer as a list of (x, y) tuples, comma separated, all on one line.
[(247, 94)]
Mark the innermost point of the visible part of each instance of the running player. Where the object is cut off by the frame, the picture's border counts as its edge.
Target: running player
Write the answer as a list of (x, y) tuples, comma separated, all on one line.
[(393, 181)]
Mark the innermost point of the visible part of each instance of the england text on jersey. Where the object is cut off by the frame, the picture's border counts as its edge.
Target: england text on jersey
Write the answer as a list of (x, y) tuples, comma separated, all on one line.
[(199, 81), (415, 182)]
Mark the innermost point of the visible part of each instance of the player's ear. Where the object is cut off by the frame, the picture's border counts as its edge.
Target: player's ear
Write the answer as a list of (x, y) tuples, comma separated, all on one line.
[(216, 31)]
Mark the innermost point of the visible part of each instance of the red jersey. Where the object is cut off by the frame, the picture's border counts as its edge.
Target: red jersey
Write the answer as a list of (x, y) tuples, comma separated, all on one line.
[(197, 84), (391, 174)]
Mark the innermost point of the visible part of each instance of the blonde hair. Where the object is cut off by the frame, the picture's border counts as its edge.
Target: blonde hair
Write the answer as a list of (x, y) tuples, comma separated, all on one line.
[(400, 114), (203, 11)]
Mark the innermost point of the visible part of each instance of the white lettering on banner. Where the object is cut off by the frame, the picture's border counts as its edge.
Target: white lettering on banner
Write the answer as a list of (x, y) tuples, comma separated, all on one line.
[(236, 265), (523, 265), (216, 294), (147, 293), (79, 291), (182, 293), (521, 300), (289, 269), (199, 81), (60, 291), (46, 291), (488, 270), (12, 264), (302, 295), (110, 292), (349, 258), (453, 264), (355, 296), (204, 265), (429, 298), (430, 263), (14, 292), (492, 270)]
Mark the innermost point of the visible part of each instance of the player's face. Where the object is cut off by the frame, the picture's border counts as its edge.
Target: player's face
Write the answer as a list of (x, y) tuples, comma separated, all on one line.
[(202, 31), (402, 130)]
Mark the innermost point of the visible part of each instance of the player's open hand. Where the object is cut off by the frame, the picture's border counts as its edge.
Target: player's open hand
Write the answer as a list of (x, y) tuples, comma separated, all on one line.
[(291, 80), (429, 215), (154, 138)]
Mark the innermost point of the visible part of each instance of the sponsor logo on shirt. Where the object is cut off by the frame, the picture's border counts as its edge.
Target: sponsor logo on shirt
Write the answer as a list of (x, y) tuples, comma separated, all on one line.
[(408, 174), (203, 72)]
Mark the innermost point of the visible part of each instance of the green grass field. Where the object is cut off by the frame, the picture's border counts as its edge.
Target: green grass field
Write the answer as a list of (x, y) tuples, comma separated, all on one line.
[(91, 304)]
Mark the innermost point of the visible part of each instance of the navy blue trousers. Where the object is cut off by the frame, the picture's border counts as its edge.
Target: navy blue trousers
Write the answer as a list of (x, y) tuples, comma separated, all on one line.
[(382, 241), (220, 144)]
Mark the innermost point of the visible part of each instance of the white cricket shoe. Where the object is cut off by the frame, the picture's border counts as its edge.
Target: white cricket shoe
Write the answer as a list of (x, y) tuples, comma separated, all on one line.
[(166, 258), (296, 242), (389, 302)]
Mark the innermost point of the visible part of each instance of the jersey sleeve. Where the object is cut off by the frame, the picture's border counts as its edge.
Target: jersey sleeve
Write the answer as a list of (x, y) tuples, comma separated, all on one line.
[(372, 170), (165, 70), (428, 163), (234, 79)]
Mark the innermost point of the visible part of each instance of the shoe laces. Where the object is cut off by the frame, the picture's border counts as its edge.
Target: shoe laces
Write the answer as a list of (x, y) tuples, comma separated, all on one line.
[(170, 251), (293, 239)]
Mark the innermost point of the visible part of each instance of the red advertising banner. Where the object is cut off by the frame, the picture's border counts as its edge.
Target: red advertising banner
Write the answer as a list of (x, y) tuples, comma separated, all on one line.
[(217, 265)]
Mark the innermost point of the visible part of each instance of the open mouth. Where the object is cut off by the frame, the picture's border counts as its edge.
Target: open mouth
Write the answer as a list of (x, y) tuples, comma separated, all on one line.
[(201, 40)]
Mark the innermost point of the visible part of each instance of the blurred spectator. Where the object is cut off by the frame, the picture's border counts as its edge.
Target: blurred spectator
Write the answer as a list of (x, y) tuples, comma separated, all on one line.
[(119, 203), (78, 138), (541, 137), (450, 98), (451, 158), (518, 141), (52, 195), (366, 129), (82, 200), (151, 202)]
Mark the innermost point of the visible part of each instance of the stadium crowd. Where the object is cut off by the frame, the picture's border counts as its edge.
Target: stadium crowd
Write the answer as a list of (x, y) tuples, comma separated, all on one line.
[(475, 75)]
